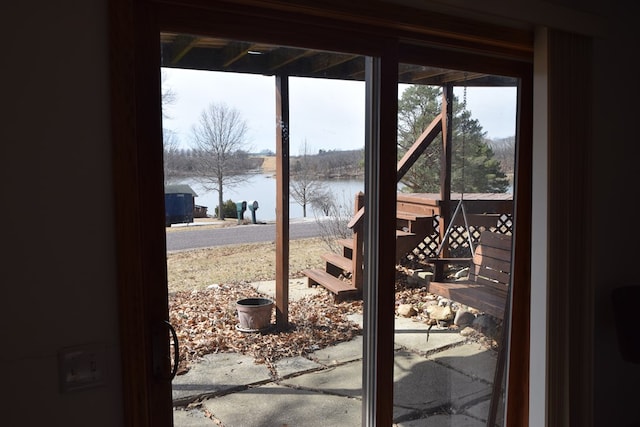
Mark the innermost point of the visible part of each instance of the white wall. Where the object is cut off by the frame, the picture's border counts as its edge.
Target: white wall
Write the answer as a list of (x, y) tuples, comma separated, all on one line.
[(615, 190), (58, 267)]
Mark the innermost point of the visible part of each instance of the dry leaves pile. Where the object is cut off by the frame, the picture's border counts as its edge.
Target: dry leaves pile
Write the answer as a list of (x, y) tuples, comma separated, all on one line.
[(205, 322), (205, 285)]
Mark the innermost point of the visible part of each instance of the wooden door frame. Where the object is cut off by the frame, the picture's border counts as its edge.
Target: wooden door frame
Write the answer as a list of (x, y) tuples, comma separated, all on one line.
[(137, 169)]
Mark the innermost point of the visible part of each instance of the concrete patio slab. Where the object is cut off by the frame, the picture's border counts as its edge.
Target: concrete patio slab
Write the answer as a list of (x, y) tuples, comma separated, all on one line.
[(416, 336), (443, 421), (481, 411), (469, 358), (332, 396), (275, 405), (340, 353), (442, 381), (191, 418), (425, 385), (343, 380), (295, 365), (217, 373)]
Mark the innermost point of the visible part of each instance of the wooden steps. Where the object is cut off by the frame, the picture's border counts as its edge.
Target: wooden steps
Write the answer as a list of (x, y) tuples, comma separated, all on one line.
[(346, 243), (413, 222), (412, 216), (411, 229), (347, 247), (337, 264), (342, 289)]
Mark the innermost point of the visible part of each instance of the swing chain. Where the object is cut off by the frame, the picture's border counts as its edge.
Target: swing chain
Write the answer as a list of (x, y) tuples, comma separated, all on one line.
[(460, 206)]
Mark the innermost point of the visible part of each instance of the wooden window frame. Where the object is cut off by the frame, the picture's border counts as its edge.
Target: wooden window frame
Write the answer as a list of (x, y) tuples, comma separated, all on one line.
[(380, 30)]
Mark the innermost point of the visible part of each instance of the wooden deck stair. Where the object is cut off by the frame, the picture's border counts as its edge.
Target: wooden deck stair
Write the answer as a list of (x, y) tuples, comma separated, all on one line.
[(414, 220), (411, 229), (341, 289)]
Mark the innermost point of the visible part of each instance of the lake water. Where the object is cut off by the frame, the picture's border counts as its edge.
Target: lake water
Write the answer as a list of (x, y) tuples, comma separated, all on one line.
[(262, 188)]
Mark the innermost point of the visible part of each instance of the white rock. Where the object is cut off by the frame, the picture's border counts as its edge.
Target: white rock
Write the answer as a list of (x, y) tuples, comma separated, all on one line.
[(463, 318), (440, 313), (406, 310)]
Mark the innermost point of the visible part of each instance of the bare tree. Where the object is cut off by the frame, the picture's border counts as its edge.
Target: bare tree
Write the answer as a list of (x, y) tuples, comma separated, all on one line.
[(323, 203), (219, 137), (169, 97), (171, 150), (334, 225), (504, 150), (170, 144), (305, 187)]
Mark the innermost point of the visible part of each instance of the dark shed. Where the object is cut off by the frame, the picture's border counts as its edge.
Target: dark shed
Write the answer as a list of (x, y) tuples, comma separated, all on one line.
[(178, 204)]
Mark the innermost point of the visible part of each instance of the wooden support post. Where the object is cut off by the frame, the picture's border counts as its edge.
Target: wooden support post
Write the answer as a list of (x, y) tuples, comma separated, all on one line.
[(445, 165), (282, 202)]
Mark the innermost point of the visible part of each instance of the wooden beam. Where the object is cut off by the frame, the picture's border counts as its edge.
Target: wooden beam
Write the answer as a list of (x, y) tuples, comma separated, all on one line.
[(409, 158), (445, 163), (180, 47), (282, 202), (418, 147), (380, 241), (326, 61), (233, 52), (282, 57)]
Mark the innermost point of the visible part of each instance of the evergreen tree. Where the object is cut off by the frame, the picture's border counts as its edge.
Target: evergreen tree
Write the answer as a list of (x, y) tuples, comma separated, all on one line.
[(474, 168)]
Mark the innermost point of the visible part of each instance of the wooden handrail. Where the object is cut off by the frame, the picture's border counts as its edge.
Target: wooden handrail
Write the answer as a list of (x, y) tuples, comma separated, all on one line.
[(357, 251), (355, 221), (418, 147), (409, 158)]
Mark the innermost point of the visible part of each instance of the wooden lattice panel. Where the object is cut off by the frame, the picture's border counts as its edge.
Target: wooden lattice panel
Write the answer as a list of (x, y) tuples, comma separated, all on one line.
[(458, 238)]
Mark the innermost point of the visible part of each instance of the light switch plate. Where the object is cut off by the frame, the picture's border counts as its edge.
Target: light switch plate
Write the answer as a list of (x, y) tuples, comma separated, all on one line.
[(81, 367)]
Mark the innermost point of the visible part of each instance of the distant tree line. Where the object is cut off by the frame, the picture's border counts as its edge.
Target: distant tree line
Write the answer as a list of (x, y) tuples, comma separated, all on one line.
[(329, 164), (184, 162)]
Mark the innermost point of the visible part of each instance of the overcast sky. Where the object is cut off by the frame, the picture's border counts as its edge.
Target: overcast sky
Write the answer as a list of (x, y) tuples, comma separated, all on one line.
[(327, 114)]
